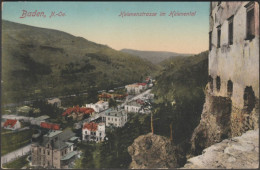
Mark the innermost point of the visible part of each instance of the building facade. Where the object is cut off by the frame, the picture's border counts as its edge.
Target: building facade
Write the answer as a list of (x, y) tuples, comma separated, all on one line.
[(54, 150), (234, 59), (55, 101), (99, 106), (136, 88), (116, 118), (135, 106), (93, 132)]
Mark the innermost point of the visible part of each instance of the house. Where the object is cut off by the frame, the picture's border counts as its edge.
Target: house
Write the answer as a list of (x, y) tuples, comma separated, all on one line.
[(93, 132), (78, 113), (104, 96), (116, 118), (54, 150), (234, 62), (135, 107), (99, 106), (55, 102), (136, 88), (12, 124)]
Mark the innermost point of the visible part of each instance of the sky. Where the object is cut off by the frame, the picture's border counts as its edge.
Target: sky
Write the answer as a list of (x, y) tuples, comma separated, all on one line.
[(101, 22)]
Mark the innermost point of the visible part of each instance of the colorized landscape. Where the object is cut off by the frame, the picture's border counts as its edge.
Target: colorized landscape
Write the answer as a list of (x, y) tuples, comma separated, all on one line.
[(70, 102)]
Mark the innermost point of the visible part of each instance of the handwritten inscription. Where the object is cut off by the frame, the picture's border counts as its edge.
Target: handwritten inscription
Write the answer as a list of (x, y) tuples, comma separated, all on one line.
[(59, 14), (39, 14), (154, 14)]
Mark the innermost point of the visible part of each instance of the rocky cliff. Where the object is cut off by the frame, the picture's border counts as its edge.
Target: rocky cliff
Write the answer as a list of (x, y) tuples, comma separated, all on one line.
[(238, 152), (153, 151), (221, 120)]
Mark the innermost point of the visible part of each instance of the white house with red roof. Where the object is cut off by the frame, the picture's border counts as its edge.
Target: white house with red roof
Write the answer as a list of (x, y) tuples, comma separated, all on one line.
[(12, 124), (93, 132)]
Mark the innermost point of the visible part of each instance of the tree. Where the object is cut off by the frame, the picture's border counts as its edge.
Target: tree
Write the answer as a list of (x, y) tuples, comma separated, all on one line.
[(112, 103), (92, 95)]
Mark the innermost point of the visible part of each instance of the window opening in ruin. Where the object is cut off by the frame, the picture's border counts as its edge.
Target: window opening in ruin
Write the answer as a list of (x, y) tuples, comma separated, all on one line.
[(210, 80), (229, 88), (249, 99), (218, 83), (230, 30), (210, 39), (219, 35), (250, 21)]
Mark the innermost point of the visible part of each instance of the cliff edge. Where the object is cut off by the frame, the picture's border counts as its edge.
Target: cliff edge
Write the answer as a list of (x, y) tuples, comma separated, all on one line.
[(238, 153), (220, 120)]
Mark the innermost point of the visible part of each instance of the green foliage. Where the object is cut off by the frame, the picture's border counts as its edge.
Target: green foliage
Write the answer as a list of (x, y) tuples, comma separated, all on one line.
[(113, 153), (57, 64), (112, 103), (92, 96), (47, 109), (154, 56), (179, 95), (87, 160), (18, 163), (16, 140)]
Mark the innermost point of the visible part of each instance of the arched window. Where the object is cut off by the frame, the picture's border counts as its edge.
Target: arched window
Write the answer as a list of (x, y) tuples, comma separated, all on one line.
[(229, 88), (218, 83), (249, 99)]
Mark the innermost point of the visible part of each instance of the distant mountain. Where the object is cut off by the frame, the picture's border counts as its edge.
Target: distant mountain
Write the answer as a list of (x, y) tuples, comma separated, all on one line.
[(39, 62), (154, 57)]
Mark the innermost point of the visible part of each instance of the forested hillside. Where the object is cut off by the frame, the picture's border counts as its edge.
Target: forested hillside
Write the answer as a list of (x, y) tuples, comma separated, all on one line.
[(39, 62), (154, 57), (179, 93)]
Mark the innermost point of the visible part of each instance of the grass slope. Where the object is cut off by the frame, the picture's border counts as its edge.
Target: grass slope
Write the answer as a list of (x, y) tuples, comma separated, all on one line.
[(12, 141)]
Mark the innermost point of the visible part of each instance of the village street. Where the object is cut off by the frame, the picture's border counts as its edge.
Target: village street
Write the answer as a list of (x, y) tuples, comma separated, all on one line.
[(26, 149), (136, 97), (102, 113)]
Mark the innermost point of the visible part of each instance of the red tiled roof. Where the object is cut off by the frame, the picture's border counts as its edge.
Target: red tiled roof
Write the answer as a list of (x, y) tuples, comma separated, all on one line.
[(50, 126), (91, 126), (78, 109), (120, 96), (10, 122)]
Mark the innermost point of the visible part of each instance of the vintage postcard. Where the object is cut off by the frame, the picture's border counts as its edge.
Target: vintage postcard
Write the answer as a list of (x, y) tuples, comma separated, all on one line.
[(129, 85)]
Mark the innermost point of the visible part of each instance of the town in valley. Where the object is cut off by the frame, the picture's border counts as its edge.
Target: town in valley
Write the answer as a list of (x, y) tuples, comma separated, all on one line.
[(82, 88)]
